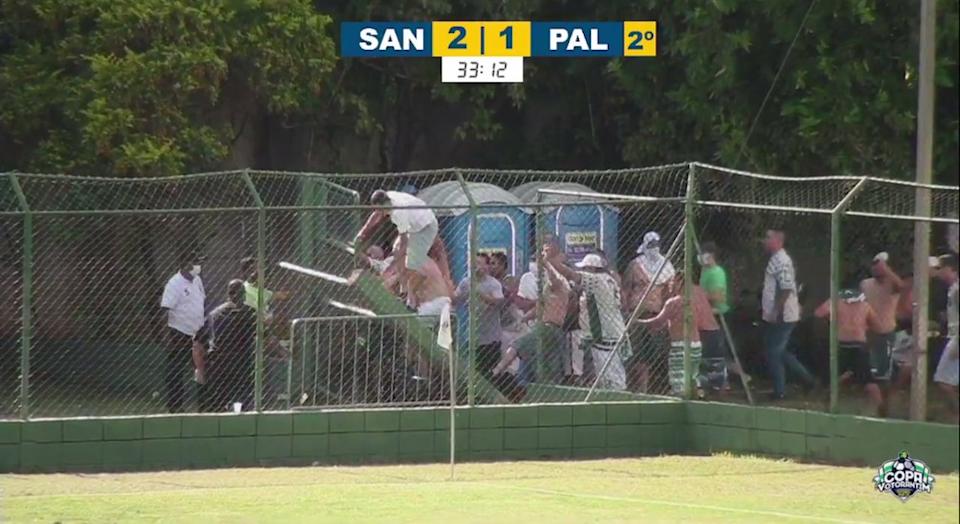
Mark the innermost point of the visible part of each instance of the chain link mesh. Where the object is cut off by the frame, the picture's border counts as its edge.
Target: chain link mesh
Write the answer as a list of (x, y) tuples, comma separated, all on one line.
[(98, 252)]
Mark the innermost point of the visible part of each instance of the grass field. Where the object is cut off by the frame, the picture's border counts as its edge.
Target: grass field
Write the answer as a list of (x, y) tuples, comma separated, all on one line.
[(665, 489)]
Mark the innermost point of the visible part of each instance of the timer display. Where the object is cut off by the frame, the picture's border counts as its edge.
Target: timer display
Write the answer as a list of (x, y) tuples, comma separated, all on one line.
[(483, 69)]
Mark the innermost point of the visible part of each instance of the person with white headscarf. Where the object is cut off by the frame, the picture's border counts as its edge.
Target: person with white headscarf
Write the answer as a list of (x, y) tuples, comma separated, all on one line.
[(650, 343), (643, 270)]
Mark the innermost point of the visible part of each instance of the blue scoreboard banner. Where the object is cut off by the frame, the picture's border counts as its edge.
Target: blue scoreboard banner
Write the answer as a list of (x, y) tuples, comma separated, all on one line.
[(498, 39)]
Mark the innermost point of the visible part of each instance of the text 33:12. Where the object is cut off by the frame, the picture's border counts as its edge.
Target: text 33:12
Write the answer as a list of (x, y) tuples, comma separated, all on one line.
[(471, 69)]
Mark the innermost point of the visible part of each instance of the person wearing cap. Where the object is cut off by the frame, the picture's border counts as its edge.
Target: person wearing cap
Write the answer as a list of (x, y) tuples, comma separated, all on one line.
[(947, 375), (226, 347), (417, 227), (855, 319), (882, 291), (183, 305), (704, 323), (600, 318), (781, 312)]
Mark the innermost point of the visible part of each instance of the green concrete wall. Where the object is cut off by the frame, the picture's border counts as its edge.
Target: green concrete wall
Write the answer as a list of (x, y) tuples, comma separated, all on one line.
[(841, 439), (596, 430)]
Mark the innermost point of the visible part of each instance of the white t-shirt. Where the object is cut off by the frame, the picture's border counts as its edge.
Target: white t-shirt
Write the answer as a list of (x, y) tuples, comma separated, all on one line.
[(528, 286), (409, 220), (780, 276), (606, 292), (183, 300)]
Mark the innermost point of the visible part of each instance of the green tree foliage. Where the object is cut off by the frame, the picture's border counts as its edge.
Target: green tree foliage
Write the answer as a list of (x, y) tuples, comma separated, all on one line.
[(133, 87)]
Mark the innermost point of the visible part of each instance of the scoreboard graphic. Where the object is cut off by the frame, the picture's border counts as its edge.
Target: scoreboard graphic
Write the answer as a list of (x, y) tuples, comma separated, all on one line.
[(485, 52)]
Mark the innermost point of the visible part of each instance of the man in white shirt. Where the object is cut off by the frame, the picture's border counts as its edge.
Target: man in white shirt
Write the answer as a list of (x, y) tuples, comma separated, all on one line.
[(417, 226), (947, 376), (183, 305), (600, 318), (781, 312)]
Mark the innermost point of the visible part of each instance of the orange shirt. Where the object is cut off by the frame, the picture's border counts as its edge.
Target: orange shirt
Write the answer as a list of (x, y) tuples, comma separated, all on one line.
[(883, 298), (854, 319), (703, 311)]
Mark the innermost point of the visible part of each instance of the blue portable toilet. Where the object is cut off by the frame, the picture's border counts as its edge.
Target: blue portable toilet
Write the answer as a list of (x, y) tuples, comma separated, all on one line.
[(502, 229), (578, 228)]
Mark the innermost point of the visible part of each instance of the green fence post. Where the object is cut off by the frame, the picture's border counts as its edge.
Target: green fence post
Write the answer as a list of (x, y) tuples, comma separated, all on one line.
[(472, 305), (261, 283), (26, 311), (543, 371), (835, 270), (688, 254)]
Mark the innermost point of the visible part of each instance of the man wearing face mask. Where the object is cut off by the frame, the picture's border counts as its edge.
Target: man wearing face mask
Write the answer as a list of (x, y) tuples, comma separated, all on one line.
[(650, 266), (713, 281), (183, 305), (642, 271)]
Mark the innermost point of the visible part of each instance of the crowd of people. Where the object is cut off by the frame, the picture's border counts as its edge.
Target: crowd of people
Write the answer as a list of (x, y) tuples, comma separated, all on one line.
[(580, 323), (218, 347)]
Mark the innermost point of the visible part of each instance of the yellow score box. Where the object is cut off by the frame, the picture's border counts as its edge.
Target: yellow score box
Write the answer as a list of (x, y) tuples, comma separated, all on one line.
[(481, 38), (639, 39)]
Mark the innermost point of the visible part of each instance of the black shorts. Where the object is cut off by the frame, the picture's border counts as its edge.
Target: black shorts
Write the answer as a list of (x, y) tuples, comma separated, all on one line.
[(853, 357), (713, 344), (881, 354)]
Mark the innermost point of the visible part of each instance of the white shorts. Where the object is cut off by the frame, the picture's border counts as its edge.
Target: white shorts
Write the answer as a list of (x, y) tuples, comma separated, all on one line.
[(948, 369), (433, 308)]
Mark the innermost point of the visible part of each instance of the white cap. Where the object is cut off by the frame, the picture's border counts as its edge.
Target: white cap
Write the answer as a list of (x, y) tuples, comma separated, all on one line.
[(882, 256), (592, 260), (650, 238)]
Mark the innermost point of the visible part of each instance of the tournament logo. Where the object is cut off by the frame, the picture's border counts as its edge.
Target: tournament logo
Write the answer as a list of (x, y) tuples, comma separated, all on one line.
[(903, 477)]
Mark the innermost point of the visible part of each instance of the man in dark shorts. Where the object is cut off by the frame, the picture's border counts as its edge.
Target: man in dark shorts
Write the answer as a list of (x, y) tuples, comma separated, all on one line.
[(855, 318), (882, 291), (547, 335)]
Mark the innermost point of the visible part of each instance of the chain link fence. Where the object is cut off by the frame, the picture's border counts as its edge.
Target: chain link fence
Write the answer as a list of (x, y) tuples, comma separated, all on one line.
[(562, 286)]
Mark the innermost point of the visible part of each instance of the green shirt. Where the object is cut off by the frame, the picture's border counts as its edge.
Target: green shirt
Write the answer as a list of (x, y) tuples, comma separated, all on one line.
[(251, 296), (713, 279)]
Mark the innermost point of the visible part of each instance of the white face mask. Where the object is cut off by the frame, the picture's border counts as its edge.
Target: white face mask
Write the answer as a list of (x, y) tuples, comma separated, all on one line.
[(652, 251), (195, 270), (705, 259), (532, 267)]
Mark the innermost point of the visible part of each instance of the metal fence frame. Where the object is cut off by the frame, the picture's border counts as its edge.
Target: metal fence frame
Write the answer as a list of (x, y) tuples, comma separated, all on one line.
[(845, 207)]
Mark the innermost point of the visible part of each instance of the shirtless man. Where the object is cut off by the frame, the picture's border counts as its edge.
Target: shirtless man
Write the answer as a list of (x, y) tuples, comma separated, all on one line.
[(671, 317), (431, 297), (549, 332)]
